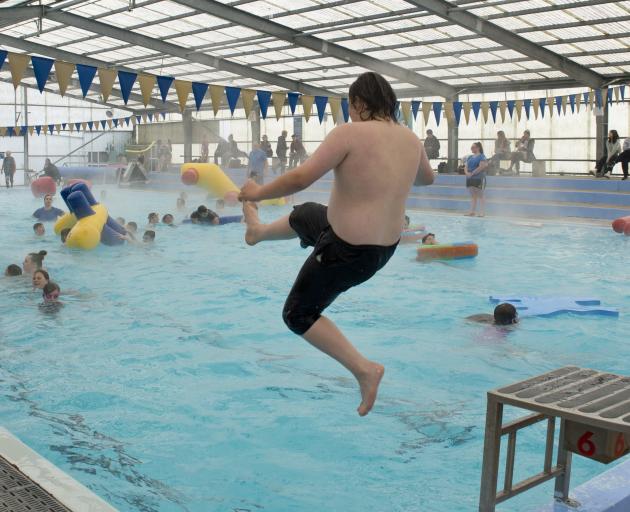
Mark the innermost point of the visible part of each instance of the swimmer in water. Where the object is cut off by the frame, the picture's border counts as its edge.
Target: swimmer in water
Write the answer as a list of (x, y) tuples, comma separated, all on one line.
[(168, 220), (38, 229), (33, 261), (429, 239), (375, 161), (504, 314), (131, 227), (51, 292), (13, 271), (120, 221), (147, 238), (153, 218), (40, 279)]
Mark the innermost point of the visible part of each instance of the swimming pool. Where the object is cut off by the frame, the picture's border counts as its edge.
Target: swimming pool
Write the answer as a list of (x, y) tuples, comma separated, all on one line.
[(168, 382)]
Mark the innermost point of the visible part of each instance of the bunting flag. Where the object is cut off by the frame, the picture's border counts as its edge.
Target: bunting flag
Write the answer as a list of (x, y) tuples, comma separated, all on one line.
[(598, 98), (41, 70), (426, 110), (510, 108), (264, 98), (622, 91), (563, 102), (405, 107), (63, 72), (415, 106), (18, 62), (71, 127), (293, 98), (164, 84), (572, 103), (448, 112), (126, 81), (345, 108), (539, 106), (87, 125), (116, 122), (3, 131), (494, 105), (106, 77), (277, 98), (485, 108), (150, 117), (320, 103), (110, 124), (127, 120), (609, 95), (503, 109), (307, 105), (457, 111), (232, 94), (527, 104), (216, 96), (31, 129), (58, 128), (183, 88), (591, 98), (86, 76), (476, 107), (38, 129), (437, 110), (103, 124), (3, 56), (550, 103), (335, 108), (51, 127), (616, 89), (199, 92), (77, 126), (147, 82), (467, 109), (585, 98), (248, 96), (145, 117)]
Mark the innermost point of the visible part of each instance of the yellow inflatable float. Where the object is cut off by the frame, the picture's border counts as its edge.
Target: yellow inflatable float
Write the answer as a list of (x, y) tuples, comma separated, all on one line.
[(212, 178)]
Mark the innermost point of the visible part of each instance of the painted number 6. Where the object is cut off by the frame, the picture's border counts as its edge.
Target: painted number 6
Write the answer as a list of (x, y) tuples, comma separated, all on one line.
[(585, 445)]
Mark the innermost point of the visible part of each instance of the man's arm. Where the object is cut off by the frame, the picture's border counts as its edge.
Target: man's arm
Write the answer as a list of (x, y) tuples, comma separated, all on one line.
[(425, 172), (330, 153)]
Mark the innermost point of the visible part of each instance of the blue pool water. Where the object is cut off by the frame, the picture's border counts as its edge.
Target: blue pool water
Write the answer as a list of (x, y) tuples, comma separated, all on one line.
[(168, 382)]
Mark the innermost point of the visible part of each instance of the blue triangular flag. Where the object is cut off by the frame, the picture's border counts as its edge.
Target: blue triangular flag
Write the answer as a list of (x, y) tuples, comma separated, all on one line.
[(437, 109), (64, 125), (38, 129), (528, 105), (90, 125), (572, 103), (116, 122), (138, 119), (559, 104), (598, 98), (320, 103), (476, 106), (510, 106), (345, 109), (543, 104), (457, 111), (103, 123), (23, 129), (164, 84), (51, 127), (232, 94), (41, 70), (610, 96), (622, 90), (127, 120), (10, 131), (494, 105), (3, 56), (293, 98), (585, 98), (264, 97), (199, 91), (77, 126), (150, 116), (415, 106), (86, 76), (126, 81)]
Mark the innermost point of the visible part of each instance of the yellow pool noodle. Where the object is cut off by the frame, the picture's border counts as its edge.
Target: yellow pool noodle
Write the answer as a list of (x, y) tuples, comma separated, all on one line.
[(212, 178), (86, 233)]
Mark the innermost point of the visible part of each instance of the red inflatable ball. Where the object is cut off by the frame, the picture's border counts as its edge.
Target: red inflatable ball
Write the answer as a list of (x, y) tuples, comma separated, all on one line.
[(79, 180), (621, 225), (231, 198), (42, 186), (190, 177)]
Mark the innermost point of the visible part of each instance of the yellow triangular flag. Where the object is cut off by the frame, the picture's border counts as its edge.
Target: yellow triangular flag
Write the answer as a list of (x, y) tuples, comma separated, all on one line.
[(405, 107), (564, 105), (134, 120), (467, 107), (18, 62), (485, 108), (578, 102), (518, 108), (591, 98), (616, 89), (58, 128), (335, 108), (84, 125), (147, 82), (183, 88), (110, 124), (551, 102), (106, 77), (448, 111), (31, 129), (536, 104), (71, 127), (307, 105), (145, 118), (502, 109), (216, 95), (63, 72), (247, 96), (277, 99), (426, 110), (3, 131)]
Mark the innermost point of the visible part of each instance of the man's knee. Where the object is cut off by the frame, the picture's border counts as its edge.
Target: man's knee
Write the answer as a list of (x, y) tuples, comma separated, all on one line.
[(297, 320)]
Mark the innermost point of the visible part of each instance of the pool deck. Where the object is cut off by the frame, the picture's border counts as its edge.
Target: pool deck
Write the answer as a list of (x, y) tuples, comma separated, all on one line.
[(30, 483)]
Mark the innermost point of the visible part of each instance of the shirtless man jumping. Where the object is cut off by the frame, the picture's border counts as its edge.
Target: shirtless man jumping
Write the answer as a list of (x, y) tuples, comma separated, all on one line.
[(375, 161)]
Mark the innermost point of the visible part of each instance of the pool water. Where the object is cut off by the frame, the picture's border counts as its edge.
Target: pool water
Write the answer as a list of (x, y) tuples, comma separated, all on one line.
[(168, 381)]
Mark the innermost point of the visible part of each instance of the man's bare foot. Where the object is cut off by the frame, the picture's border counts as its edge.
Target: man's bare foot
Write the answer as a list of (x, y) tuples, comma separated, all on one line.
[(250, 214), (368, 383)]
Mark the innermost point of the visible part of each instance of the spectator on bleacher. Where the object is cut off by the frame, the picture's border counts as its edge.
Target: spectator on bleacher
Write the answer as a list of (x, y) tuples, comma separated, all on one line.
[(502, 150), (432, 145), (624, 157), (265, 145), (608, 160), (523, 153)]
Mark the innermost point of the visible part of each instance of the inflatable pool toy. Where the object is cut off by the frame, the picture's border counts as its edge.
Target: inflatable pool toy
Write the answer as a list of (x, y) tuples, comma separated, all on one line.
[(280, 201), (230, 219), (549, 306), (409, 236), (79, 180), (622, 225), (88, 221), (42, 186), (211, 178), (456, 251)]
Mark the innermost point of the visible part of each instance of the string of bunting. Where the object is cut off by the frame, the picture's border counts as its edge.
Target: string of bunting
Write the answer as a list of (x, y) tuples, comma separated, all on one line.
[(42, 67)]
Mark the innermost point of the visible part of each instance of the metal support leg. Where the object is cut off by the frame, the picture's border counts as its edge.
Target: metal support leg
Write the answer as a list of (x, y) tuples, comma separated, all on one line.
[(561, 491), (491, 449)]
